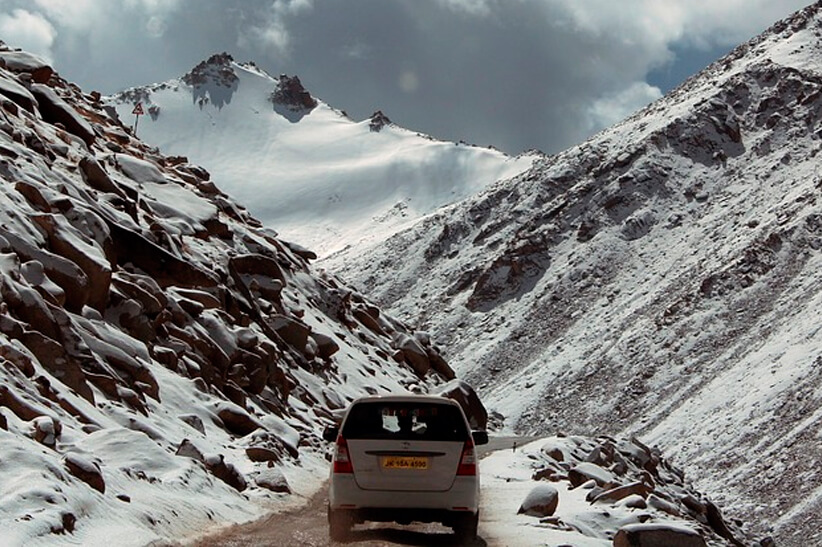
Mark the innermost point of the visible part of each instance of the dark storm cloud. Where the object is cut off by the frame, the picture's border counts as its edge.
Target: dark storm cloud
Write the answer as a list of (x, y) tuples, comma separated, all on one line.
[(515, 78), (516, 74)]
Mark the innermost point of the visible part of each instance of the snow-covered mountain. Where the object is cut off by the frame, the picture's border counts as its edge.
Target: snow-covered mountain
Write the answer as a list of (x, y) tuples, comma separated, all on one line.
[(166, 362), (661, 279), (302, 167)]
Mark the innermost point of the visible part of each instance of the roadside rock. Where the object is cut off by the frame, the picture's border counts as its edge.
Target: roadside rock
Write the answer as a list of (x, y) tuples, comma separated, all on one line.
[(237, 420), (657, 535), (586, 471), (464, 394), (541, 501), (225, 471), (274, 480), (261, 454)]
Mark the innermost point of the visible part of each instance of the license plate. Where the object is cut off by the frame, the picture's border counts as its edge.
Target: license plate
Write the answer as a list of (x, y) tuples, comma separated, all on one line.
[(405, 462)]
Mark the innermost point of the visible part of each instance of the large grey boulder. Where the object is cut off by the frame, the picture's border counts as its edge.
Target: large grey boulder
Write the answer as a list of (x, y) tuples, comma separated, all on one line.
[(541, 501), (657, 535)]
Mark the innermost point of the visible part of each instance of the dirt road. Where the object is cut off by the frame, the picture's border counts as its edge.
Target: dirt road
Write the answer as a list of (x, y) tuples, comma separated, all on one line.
[(307, 526)]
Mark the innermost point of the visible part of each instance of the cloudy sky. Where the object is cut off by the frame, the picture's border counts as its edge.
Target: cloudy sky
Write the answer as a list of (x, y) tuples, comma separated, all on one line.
[(516, 74)]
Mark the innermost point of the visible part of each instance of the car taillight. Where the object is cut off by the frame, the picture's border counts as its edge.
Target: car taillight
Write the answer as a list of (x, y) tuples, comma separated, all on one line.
[(342, 462), (468, 461)]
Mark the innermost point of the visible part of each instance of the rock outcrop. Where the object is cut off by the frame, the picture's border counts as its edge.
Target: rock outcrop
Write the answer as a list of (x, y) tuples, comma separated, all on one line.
[(291, 93)]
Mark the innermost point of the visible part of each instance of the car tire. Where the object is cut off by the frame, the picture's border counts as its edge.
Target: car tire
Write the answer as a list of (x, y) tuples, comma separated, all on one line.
[(466, 528), (339, 525)]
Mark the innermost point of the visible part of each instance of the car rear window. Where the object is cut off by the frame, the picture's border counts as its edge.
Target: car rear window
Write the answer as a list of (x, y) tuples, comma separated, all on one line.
[(405, 421)]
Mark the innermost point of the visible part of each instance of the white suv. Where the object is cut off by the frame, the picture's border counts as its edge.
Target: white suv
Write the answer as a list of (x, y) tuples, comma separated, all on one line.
[(403, 459)]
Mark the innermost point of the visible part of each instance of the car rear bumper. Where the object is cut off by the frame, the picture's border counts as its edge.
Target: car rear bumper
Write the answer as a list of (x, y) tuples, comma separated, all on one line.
[(462, 497)]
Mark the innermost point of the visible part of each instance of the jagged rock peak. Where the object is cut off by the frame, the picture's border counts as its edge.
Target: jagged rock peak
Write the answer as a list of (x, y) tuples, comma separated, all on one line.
[(378, 120), (216, 68), (291, 93)]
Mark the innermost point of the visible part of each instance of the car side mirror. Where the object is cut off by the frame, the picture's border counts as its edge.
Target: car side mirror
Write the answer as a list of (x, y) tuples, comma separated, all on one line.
[(330, 433), (480, 437)]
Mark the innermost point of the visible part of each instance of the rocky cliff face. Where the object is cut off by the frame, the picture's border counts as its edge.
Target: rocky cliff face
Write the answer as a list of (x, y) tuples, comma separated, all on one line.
[(660, 279), (160, 351)]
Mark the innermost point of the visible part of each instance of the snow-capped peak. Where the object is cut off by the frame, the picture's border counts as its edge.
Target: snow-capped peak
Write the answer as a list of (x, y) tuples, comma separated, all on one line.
[(305, 168)]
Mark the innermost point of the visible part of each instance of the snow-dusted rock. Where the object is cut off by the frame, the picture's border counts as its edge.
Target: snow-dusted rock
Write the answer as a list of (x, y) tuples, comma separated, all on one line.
[(262, 454), (225, 471), (236, 420), (11, 89), (468, 399), (55, 110), (413, 353), (23, 61), (46, 430), (86, 470), (273, 479), (657, 535), (188, 449), (624, 491), (586, 471), (541, 501), (98, 178), (65, 240)]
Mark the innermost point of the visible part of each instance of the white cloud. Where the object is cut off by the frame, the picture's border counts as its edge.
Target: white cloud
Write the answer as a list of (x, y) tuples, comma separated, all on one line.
[(700, 23), (29, 31), (73, 15), (274, 31), (608, 110), (408, 81), (471, 7), (154, 6), (156, 26)]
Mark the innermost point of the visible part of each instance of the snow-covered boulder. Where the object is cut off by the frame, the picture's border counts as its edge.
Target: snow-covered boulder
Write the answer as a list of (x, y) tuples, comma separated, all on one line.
[(587, 471), (23, 61), (86, 470), (273, 479), (541, 501), (468, 399), (658, 535)]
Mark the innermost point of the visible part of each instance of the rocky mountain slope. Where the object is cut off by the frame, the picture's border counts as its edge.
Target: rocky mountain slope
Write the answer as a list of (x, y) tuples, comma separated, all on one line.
[(302, 167), (166, 363), (660, 279)]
